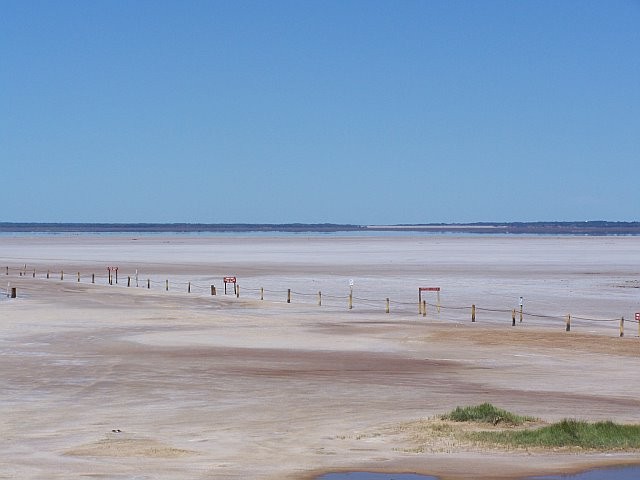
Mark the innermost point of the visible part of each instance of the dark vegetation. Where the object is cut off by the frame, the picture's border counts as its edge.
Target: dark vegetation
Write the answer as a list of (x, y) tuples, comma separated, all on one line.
[(549, 228), (567, 433)]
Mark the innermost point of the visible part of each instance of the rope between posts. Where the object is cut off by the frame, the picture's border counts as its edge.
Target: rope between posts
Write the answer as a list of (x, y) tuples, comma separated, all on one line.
[(494, 310), (249, 289), (304, 294), (447, 307), (586, 319), (335, 297), (540, 315)]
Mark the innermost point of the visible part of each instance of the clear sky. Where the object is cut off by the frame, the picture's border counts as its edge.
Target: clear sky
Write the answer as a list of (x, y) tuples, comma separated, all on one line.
[(365, 112)]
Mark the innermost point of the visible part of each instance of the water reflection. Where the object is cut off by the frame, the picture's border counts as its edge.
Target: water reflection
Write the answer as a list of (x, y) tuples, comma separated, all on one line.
[(616, 473), (374, 476)]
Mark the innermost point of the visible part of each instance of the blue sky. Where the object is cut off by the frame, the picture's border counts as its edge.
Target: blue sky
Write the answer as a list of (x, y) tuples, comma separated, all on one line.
[(363, 112)]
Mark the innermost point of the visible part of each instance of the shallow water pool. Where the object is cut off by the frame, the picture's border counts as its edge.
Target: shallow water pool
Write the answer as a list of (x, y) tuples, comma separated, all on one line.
[(616, 473), (374, 476)]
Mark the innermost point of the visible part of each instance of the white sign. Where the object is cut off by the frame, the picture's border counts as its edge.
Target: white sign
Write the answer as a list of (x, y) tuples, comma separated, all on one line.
[(351, 283)]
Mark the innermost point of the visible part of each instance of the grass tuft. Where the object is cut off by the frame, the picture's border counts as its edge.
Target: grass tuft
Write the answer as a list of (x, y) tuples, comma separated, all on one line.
[(569, 433), (485, 413)]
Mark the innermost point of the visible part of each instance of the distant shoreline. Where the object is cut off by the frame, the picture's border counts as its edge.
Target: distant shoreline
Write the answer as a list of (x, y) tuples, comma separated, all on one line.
[(595, 228)]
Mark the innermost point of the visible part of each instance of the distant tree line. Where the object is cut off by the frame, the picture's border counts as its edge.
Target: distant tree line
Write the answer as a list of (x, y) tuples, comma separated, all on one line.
[(597, 227)]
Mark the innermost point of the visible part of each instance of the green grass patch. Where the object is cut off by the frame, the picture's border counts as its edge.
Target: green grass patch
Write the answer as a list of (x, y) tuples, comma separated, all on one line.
[(568, 433), (485, 413)]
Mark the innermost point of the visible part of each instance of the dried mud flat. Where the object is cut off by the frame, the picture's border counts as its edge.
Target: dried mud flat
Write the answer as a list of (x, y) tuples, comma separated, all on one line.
[(106, 381)]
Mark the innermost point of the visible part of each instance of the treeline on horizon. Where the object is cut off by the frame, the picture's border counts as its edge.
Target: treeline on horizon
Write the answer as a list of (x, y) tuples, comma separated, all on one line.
[(597, 227)]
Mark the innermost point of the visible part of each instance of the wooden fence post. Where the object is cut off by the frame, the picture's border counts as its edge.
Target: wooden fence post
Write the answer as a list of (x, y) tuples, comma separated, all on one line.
[(148, 284), (78, 277), (61, 274), (319, 298), (621, 326), (473, 313), (350, 300), (48, 274), (288, 295), (14, 292), (167, 285), (261, 293), (520, 313), (189, 288), (513, 317), (424, 308), (93, 278), (34, 273), (387, 306), (237, 290), (128, 280), (213, 289)]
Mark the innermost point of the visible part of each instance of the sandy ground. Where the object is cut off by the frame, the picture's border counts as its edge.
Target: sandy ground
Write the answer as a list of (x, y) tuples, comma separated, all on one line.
[(104, 381)]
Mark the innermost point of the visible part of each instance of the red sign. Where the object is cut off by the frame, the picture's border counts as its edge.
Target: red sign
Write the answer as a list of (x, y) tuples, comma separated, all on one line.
[(229, 279), (638, 317), (429, 289)]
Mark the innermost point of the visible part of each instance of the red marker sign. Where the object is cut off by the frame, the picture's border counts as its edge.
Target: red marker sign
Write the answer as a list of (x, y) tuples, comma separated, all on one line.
[(229, 280), (638, 317)]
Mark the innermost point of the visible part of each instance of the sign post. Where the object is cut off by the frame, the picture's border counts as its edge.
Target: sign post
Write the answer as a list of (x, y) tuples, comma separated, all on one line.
[(351, 284), (112, 270), (229, 280), (521, 301)]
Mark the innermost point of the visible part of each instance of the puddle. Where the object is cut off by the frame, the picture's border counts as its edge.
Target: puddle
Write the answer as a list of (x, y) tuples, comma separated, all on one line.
[(615, 473), (374, 476)]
